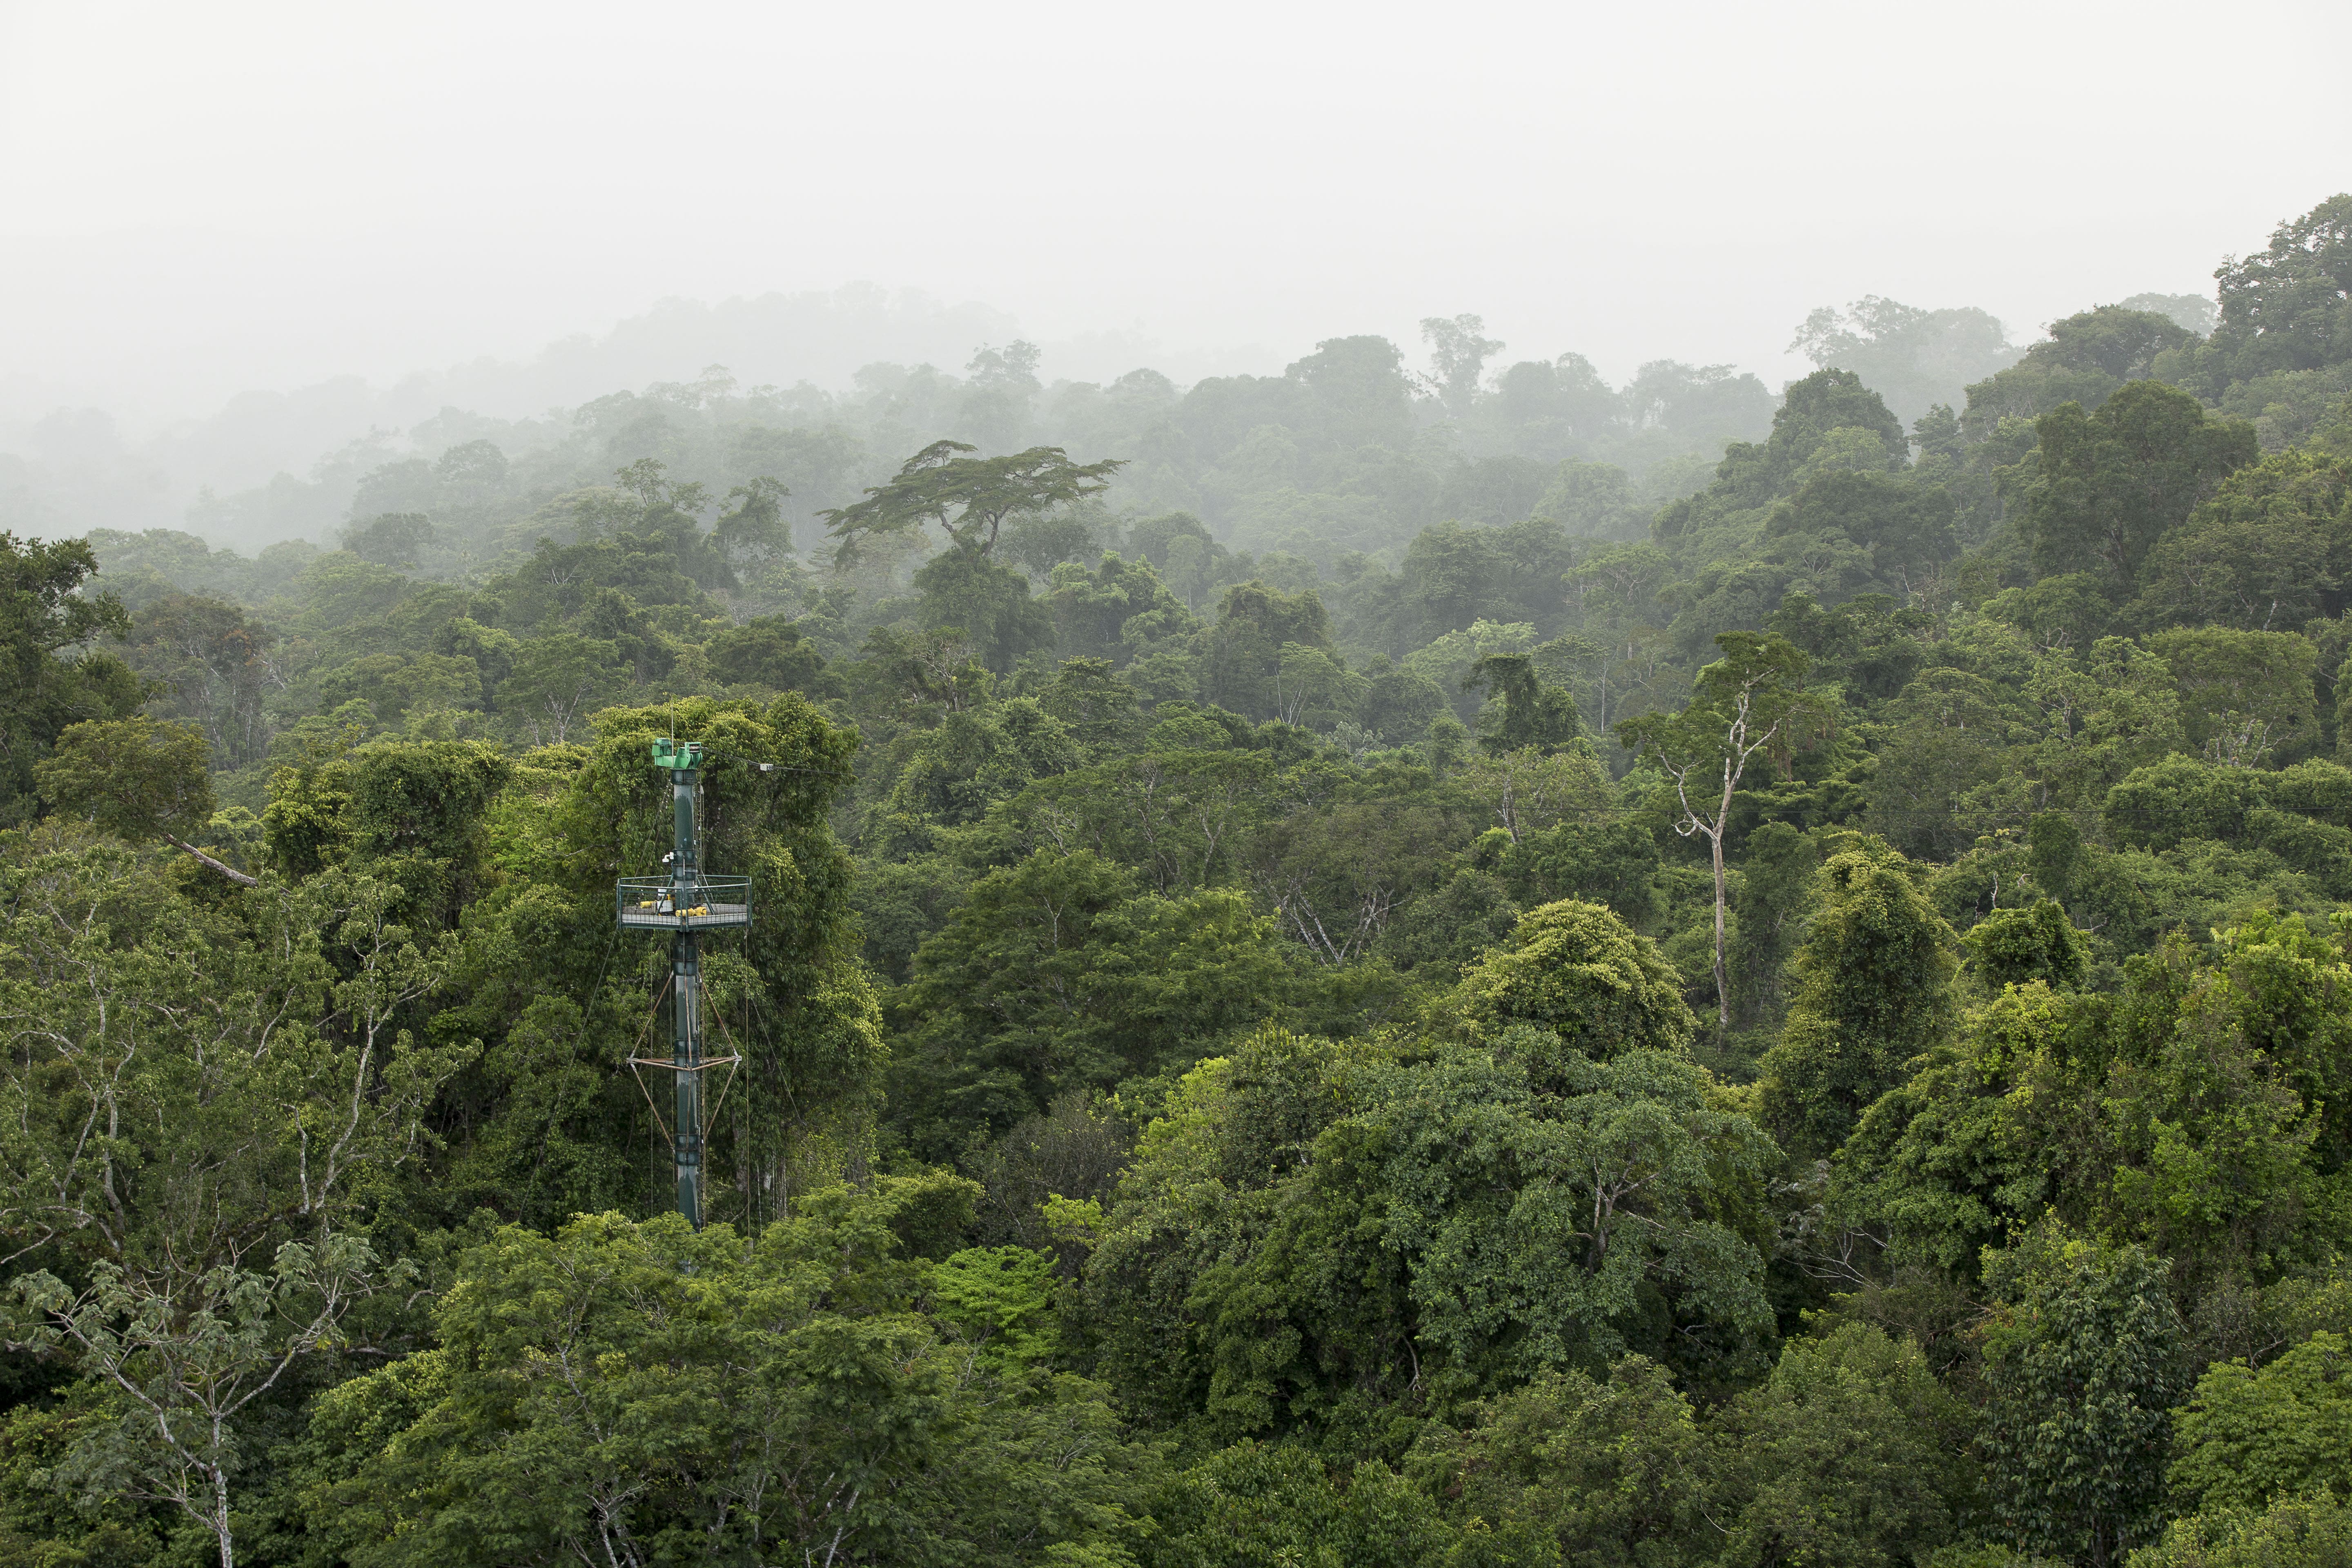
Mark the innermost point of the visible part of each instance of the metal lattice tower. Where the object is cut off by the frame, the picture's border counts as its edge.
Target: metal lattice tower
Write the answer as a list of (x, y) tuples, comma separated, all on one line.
[(685, 902)]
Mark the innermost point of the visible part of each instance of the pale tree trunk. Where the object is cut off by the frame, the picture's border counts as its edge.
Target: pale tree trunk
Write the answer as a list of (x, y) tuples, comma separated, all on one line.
[(231, 873), (1715, 842), (1722, 985), (219, 1520), (1740, 742)]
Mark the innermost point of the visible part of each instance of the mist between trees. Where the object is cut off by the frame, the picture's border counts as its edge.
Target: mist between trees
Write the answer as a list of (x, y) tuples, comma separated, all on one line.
[(1376, 965)]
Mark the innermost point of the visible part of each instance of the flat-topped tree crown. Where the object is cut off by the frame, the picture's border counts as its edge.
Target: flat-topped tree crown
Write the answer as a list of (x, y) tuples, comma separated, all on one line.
[(970, 499)]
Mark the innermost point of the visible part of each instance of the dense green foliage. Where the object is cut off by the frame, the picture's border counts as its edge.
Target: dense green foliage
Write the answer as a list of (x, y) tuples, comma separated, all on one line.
[(1349, 968)]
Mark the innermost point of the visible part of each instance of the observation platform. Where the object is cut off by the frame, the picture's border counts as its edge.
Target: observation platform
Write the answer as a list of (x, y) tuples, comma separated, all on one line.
[(668, 903)]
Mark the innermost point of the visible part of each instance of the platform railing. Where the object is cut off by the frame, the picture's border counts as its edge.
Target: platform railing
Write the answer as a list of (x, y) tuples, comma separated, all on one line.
[(691, 902)]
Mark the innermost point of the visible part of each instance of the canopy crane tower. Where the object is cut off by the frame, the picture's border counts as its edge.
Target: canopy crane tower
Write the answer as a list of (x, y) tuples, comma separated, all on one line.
[(685, 902)]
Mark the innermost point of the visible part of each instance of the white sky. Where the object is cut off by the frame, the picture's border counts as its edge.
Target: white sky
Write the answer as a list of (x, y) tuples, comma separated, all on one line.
[(199, 198)]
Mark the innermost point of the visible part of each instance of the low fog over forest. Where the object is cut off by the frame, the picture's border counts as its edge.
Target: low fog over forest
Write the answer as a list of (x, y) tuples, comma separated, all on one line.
[(1417, 956), (1472, 425)]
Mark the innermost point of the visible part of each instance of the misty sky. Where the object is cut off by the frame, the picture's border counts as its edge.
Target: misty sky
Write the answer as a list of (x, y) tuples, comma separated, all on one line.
[(195, 199)]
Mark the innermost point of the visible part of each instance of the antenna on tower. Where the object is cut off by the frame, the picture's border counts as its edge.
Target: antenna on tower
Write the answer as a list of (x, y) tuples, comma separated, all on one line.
[(685, 902)]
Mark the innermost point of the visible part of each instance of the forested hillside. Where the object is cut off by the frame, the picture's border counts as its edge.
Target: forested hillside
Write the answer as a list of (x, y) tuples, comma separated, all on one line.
[(1379, 965)]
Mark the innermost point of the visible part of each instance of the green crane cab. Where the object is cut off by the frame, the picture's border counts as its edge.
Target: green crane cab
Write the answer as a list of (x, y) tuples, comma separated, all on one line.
[(677, 757)]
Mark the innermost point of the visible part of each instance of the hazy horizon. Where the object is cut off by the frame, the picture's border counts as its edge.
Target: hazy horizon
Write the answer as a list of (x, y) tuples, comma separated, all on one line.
[(266, 198)]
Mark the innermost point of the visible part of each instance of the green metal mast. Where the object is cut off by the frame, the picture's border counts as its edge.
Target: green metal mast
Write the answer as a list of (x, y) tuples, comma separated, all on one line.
[(686, 903)]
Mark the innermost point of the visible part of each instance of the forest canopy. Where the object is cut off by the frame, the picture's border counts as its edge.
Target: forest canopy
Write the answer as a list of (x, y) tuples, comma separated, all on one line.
[(1375, 964)]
